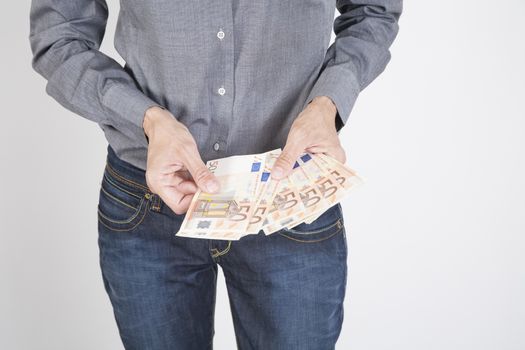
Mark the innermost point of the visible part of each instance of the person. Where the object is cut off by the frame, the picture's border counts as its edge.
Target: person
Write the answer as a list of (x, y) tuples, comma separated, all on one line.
[(205, 80)]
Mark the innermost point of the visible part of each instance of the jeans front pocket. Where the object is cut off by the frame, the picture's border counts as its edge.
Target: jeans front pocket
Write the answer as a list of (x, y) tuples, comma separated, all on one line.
[(327, 225), (122, 205)]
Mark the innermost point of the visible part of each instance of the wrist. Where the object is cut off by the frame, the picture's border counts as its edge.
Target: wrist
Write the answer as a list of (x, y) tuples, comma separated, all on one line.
[(327, 105), (153, 116), (326, 102)]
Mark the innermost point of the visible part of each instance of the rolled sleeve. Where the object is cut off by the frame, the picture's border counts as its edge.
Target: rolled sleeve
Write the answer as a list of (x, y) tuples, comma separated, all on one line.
[(365, 30), (128, 102), (342, 87), (65, 38)]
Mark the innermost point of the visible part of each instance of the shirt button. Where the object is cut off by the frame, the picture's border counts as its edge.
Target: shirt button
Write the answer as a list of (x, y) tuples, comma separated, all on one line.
[(216, 146), (221, 91), (220, 35)]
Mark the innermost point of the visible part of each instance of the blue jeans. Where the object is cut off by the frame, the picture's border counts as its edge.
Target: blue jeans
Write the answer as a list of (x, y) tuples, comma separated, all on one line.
[(286, 290)]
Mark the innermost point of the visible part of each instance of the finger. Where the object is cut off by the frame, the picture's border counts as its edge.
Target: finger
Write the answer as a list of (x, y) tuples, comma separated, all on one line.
[(175, 200), (185, 203), (317, 149), (183, 174), (286, 161), (187, 187), (172, 179), (338, 153), (204, 179), (181, 180)]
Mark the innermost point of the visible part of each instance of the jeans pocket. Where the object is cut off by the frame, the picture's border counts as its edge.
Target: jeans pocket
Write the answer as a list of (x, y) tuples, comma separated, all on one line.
[(325, 226), (121, 206)]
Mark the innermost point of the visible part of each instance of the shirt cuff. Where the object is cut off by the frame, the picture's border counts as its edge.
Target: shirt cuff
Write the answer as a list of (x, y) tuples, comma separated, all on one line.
[(341, 86), (130, 104)]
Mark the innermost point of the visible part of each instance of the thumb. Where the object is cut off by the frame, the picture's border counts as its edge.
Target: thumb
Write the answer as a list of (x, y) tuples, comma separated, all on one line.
[(204, 179), (286, 161)]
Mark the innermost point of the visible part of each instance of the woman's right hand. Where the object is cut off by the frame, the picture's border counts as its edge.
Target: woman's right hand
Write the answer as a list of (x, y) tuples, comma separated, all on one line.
[(175, 169)]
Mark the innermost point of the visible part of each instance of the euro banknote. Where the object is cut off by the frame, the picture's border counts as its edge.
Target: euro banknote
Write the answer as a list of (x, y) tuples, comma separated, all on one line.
[(251, 201)]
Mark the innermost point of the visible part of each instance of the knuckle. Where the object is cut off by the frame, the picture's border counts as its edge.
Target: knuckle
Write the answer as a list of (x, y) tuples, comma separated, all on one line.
[(175, 206), (201, 174), (343, 157), (286, 159), (340, 154), (179, 210)]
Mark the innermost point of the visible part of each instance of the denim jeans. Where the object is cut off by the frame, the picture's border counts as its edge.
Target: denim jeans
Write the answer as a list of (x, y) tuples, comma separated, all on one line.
[(286, 290)]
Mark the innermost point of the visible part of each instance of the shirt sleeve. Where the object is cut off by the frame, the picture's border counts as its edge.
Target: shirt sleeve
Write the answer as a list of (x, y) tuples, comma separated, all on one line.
[(365, 30), (65, 38)]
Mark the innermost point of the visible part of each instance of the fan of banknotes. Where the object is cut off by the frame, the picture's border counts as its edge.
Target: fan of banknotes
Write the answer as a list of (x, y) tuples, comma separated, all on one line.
[(250, 200)]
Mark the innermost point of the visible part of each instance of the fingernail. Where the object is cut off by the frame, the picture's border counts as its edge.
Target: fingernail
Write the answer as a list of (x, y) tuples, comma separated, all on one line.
[(212, 186), (277, 172)]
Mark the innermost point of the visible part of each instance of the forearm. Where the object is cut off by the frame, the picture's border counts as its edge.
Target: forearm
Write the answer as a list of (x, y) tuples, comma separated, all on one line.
[(65, 38), (364, 30)]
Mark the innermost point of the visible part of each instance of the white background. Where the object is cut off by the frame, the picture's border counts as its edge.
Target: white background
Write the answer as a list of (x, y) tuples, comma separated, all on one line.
[(436, 236)]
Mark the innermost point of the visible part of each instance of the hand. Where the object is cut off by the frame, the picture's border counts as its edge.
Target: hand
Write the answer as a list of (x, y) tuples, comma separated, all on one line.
[(175, 169), (312, 131)]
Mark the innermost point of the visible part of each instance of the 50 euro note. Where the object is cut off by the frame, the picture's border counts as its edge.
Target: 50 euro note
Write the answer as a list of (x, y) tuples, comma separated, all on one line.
[(285, 206), (346, 177), (331, 190), (267, 191), (308, 192), (226, 212), (310, 195), (250, 199)]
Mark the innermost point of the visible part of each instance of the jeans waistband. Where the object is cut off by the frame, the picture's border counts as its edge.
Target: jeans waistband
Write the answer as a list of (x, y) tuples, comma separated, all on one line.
[(125, 169)]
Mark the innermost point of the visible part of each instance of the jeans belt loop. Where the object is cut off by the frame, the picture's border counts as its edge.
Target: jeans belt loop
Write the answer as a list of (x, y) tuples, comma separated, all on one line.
[(156, 202)]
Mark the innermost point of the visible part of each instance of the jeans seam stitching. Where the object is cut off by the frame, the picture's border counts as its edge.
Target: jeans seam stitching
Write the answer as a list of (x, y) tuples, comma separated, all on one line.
[(130, 182), (315, 231), (111, 182), (219, 253), (127, 229), (312, 241), (118, 200), (127, 221)]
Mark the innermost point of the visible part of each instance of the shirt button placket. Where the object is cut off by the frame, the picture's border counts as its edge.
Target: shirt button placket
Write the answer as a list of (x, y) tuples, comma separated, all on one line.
[(223, 79), (220, 34), (221, 91)]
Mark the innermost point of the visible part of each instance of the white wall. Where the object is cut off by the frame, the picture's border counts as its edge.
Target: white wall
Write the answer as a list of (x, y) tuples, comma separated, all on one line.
[(436, 236)]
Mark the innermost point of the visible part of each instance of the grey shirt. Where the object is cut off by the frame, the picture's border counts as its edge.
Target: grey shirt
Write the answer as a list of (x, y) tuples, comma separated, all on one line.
[(235, 72)]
